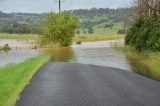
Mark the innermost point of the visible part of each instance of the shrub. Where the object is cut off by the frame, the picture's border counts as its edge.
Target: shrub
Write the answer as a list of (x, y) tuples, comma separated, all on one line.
[(110, 25), (78, 42), (5, 47), (130, 38), (78, 32), (59, 28), (121, 31), (144, 34)]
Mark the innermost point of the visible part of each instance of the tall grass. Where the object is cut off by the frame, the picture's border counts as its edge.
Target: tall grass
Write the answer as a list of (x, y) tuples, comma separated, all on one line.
[(145, 63), (13, 79)]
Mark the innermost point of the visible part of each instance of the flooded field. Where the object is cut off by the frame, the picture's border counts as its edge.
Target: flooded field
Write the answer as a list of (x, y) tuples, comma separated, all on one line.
[(17, 44), (16, 56)]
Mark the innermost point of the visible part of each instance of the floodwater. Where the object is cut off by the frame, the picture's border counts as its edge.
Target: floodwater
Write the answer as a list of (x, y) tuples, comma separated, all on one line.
[(16, 56), (17, 44), (96, 53), (102, 54)]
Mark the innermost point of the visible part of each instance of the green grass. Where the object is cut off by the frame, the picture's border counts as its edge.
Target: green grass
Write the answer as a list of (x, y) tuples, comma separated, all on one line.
[(145, 63), (17, 36), (94, 37), (100, 33), (99, 29), (13, 79)]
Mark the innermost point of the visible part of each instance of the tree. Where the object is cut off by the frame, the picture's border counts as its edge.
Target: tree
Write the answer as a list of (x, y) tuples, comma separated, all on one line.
[(121, 31), (144, 33), (110, 25), (84, 32), (78, 32), (24, 28), (59, 28), (145, 8), (90, 30)]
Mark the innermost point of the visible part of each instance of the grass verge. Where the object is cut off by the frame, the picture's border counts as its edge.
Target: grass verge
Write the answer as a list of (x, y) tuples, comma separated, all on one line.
[(14, 78), (145, 63)]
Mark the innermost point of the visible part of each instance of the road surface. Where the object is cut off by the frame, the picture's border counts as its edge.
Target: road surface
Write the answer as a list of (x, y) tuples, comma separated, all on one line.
[(72, 84)]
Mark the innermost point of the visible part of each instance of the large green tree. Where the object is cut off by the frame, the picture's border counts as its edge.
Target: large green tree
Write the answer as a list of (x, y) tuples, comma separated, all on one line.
[(59, 28)]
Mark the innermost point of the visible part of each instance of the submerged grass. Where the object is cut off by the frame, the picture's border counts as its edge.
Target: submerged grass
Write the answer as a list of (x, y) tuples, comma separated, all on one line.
[(5, 48), (17, 36), (95, 37), (77, 38), (13, 78), (145, 63)]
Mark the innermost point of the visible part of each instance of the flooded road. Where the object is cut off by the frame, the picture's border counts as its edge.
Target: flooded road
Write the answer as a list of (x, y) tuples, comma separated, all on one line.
[(104, 56), (100, 53), (96, 53)]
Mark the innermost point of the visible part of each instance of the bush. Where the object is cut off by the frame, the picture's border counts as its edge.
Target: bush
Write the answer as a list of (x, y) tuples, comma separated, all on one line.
[(110, 25), (78, 32), (78, 42), (5, 47), (59, 28), (121, 31), (144, 34)]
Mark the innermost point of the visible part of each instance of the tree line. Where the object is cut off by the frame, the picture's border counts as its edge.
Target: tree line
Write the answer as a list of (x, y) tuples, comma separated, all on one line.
[(23, 23), (32, 22), (104, 14)]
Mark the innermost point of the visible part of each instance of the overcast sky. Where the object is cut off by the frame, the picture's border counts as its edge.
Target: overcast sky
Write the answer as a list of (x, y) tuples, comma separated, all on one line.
[(40, 6)]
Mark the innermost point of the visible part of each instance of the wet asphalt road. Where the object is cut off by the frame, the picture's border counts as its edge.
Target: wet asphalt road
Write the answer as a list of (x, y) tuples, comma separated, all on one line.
[(67, 84)]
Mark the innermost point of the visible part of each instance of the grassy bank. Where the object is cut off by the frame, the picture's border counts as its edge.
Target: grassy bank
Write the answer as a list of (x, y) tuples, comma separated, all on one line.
[(17, 36), (145, 63), (13, 78), (95, 37)]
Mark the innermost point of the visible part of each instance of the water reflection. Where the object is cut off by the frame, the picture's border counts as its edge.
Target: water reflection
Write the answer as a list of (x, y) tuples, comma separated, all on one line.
[(104, 56), (64, 54)]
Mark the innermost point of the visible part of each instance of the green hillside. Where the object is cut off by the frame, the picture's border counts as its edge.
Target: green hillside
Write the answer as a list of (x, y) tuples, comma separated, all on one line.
[(102, 21)]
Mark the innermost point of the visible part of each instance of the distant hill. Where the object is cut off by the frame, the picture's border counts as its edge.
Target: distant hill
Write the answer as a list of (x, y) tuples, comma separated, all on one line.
[(103, 20), (90, 18), (16, 22)]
